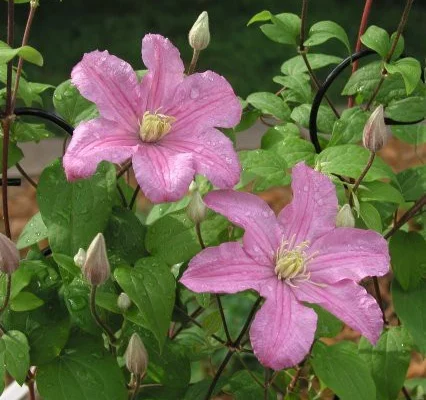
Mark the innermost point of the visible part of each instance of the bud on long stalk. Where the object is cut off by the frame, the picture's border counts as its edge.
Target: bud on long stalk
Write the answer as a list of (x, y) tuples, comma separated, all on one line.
[(136, 356), (199, 35), (9, 255), (96, 268), (375, 133)]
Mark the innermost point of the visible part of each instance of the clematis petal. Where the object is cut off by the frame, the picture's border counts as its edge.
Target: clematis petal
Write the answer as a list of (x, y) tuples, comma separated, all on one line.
[(162, 174), (348, 253), (165, 71), (203, 101), (283, 329), (262, 231), (95, 141), (312, 213), (347, 301), (225, 269), (112, 85), (214, 154)]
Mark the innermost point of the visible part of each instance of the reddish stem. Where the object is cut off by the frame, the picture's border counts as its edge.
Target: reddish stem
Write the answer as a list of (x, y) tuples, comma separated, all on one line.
[(362, 28)]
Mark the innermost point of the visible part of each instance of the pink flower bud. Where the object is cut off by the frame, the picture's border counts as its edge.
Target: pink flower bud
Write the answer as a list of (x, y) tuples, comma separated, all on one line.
[(96, 267), (9, 255), (136, 356), (199, 35), (375, 132)]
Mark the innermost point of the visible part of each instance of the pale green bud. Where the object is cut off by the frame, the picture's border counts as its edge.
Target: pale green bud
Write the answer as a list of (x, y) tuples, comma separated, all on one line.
[(199, 35), (124, 302), (196, 209), (96, 267), (136, 356), (345, 218), (9, 255), (80, 258), (375, 133)]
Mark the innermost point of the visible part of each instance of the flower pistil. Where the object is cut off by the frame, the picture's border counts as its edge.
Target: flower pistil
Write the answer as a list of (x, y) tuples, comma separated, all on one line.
[(154, 126)]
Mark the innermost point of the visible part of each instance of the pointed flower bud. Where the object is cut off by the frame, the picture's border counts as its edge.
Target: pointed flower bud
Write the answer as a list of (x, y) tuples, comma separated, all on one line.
[(375, 133), (96, 267), (196, 209), (199, 35), (80, 258), (136, 356), (9, 255), (345, 218), (124, 302)]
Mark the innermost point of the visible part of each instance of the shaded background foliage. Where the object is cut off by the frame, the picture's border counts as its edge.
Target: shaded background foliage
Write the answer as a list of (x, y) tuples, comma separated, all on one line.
[(63, 32)]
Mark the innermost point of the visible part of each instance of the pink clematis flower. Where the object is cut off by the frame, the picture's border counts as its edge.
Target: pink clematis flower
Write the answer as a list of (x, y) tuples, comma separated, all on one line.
[(166, 124), (299, 256)]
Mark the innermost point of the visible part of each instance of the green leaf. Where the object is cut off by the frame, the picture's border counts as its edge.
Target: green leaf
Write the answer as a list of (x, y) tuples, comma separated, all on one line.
[(160, 210), (199, 390), (34, 231), (25, 132), (325, 30), (379, 191), (84, 370), (408, 258), (125, 235), (364, 82), (25, 301), (342, 370), (298, 87), (48, 340), (244, 387), (24, 90), (325, 119), (71, 105), (15, 153), (349, 128), (28, 53), (173, 238), (297, 64), (285, 28), (264, 15), (370, 216), (66, 206), (350, 160), (265, 167), (14, 346), (377, 39), (412, 134), (328, 325), (388, 361), (279, 133), (410, 308), (295, 149), (151, 286), (268, 103), (407, 110), (413, 182), (399, 46), (410, 69), (21, 278)]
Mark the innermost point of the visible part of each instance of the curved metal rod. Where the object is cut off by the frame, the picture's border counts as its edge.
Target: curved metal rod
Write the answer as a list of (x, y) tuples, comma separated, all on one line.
[(11, 182), (38, 112), (313, 128)]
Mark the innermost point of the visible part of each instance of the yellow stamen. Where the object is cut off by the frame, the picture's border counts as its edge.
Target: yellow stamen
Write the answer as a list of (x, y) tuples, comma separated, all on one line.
[(291, 261), (155, 126)]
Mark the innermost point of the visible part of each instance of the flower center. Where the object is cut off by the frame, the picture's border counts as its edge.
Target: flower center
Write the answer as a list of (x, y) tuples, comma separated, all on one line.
[(154, 126), (291, 261)]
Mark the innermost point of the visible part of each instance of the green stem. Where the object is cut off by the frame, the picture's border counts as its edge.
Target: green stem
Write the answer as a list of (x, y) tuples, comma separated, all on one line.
[(8, 291), (199, 235), (134, 197), (193, 64), (362, 176), (222, 316), (111, 337), (138, 380)]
